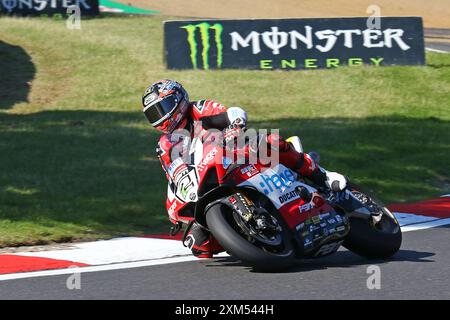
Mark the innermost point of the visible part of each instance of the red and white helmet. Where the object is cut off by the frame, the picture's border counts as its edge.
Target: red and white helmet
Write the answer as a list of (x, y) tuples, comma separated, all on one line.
[(165, 105)]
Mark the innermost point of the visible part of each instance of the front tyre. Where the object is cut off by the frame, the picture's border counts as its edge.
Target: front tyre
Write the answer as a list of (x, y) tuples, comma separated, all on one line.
[(223, 227), (373, 238)]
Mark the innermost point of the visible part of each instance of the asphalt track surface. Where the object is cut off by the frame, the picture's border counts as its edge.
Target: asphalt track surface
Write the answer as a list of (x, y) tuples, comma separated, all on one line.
[(420, 270), (437, 39)]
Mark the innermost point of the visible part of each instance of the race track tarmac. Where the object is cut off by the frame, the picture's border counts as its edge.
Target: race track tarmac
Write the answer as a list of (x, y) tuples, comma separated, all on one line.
[(419, 271)]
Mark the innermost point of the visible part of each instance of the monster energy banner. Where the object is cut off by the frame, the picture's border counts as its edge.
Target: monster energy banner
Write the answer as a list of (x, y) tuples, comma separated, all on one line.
[(293, 43), (47, 7)]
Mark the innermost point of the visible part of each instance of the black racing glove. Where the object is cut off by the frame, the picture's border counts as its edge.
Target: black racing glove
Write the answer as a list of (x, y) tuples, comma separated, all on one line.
[(233, 131)]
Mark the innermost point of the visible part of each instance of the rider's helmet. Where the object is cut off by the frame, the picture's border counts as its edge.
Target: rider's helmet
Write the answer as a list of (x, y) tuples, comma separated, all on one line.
[(165, 105)]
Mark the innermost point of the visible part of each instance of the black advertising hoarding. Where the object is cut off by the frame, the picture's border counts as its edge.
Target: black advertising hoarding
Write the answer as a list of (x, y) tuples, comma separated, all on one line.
[(47, 7), (292, 43)]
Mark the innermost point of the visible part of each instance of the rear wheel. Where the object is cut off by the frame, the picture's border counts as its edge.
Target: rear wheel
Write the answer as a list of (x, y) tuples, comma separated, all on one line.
[(377, 237), (268, 251)]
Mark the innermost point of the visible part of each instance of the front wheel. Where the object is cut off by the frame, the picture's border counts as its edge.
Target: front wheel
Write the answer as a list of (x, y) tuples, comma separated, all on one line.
[(263, 252), (375, 238)]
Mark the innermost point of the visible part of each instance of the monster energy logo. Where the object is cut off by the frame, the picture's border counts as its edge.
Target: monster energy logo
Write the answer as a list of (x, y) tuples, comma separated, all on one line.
[(9, 4), (204, 29)]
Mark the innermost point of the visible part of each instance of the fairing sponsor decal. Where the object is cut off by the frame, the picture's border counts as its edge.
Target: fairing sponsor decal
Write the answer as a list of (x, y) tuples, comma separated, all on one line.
[(278, 184)]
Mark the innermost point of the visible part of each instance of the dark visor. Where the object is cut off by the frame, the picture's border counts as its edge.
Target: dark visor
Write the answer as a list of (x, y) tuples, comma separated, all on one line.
[(161, 109)]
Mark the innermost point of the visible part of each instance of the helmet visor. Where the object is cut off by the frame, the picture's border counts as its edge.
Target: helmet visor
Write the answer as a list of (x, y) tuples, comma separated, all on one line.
[(160, 111)]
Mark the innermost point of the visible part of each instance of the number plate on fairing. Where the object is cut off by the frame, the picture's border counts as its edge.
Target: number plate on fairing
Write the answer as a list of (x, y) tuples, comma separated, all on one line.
[(186, 185)]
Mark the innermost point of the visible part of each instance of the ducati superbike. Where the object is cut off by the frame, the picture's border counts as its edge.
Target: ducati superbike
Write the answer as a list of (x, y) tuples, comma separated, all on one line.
[(268, 216)]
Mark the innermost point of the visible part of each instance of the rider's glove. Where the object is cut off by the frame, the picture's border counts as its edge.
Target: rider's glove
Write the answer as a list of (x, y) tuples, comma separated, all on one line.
[(238, 119), (232, 132), (237, 115)]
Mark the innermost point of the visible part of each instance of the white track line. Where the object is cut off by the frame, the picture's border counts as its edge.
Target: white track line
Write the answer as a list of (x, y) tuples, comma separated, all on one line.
[(436, 50), (405, 219), (426, 225)]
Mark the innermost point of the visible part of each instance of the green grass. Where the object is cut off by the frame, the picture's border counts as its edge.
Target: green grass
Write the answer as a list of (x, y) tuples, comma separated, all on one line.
[(77, 156)]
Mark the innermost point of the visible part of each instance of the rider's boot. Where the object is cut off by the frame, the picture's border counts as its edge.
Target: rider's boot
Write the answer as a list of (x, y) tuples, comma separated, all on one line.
[(201, 243), (327, 179)]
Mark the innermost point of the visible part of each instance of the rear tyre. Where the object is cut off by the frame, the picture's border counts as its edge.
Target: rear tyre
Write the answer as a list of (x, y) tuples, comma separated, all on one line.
[(220, 223), (373, 239)]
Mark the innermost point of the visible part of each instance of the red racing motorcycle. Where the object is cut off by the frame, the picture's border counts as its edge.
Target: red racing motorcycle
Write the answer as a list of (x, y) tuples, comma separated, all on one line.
[(268, 216)]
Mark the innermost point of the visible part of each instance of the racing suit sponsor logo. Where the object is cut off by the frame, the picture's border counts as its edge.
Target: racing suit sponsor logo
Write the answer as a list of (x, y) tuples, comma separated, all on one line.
[(208, 158), (175, 166), (249, 170)]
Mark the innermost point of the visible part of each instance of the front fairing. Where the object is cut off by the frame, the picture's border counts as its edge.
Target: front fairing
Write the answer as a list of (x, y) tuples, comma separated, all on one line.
[(314, 223), (187, 176), (280, 184)]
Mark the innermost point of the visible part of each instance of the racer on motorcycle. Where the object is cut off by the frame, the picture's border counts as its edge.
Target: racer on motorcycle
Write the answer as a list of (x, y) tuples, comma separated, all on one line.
[(167, 107)]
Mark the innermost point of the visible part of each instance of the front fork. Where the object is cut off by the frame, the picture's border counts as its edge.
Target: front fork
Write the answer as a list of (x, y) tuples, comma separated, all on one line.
[(248, 212)]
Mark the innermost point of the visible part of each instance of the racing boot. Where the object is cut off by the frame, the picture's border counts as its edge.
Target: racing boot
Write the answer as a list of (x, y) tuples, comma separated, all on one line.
[(333, 181), (200, 241)]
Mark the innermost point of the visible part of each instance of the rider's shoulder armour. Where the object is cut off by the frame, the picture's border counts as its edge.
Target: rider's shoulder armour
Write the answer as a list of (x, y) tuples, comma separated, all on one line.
[(204, 108)]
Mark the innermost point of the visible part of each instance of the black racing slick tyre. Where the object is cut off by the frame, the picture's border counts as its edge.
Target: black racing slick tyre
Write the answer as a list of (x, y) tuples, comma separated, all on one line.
[(374, 240), (221, 226)]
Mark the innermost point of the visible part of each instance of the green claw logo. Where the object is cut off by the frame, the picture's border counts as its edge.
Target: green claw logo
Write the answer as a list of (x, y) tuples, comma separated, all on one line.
[(204, 29)]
